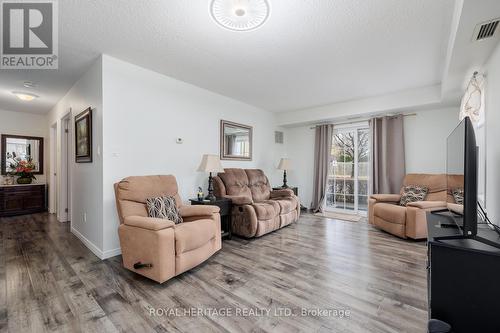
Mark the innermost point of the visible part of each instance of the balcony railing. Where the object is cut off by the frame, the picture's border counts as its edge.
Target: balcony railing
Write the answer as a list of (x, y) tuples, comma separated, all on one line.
[(341, 186)]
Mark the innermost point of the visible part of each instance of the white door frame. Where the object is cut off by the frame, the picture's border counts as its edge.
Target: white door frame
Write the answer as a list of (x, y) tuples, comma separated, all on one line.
[(53, 169), (348, 128), (64, 198)]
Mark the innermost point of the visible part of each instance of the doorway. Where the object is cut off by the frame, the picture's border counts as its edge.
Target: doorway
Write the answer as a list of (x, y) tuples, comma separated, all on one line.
[(348, 178)]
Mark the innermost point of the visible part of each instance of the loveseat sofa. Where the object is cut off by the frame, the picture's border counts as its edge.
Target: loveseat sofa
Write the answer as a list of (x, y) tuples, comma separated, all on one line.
[(257, 210), (158, 248)]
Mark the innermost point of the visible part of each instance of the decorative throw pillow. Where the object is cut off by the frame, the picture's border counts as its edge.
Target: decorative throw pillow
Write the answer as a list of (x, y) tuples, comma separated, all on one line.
[(412, 193), (163, 208), (458, 195)]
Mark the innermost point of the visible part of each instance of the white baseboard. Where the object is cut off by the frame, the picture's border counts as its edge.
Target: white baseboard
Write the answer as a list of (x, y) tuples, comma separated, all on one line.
[(96, 250), (112, 253), (92, 247)]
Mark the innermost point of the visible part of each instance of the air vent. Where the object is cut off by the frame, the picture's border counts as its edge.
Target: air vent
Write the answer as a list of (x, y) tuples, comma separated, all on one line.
[(278, 137), (486, 29)]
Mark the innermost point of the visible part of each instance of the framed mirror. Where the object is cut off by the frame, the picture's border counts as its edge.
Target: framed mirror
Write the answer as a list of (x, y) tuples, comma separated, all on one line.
[(235, 141), (15, 148)]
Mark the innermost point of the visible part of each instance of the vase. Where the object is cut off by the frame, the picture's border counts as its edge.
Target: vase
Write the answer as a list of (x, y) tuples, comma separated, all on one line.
[(21, 180)]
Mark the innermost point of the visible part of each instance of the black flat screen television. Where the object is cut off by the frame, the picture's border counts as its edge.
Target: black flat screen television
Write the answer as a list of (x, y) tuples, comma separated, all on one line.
[(461, 172)]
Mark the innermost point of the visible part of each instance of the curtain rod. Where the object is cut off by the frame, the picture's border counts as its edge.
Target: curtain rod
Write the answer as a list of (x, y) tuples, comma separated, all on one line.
[(358, 120)]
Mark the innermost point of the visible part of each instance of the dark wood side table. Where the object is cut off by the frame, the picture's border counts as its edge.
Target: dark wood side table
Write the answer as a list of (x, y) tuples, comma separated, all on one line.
[(225, 206), (295, 190)]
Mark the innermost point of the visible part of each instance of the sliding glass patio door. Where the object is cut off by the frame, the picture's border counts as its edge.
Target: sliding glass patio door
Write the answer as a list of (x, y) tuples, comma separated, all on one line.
[(347, 189)]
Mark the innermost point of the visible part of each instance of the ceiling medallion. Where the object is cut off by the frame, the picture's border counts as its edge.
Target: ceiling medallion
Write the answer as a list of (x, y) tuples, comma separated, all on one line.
[(240, 15)]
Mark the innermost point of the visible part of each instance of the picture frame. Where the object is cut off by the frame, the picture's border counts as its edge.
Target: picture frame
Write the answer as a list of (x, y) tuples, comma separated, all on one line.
[(236, 141), (83, 136)]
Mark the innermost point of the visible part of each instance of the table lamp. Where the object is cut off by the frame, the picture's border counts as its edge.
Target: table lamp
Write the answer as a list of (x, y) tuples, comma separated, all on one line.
[(284, 165), (210, 163)]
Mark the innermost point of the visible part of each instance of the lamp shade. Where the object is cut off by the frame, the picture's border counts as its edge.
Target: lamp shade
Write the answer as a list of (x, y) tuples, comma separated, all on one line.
[(210, 163), (285, 164)]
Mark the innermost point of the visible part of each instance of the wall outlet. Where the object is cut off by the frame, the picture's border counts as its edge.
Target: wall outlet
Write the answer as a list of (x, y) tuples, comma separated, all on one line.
[(84, 217)]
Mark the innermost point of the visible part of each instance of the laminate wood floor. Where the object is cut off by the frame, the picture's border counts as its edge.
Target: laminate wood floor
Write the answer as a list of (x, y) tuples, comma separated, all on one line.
[(50, 282)]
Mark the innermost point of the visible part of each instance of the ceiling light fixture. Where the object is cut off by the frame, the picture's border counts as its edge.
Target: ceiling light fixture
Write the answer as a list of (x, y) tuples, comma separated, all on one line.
[(25, 96), (240, 15)]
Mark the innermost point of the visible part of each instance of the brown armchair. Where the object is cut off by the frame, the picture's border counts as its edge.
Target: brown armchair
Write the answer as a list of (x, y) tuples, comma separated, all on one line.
[(169, 248), (408, 221), (257, 210)]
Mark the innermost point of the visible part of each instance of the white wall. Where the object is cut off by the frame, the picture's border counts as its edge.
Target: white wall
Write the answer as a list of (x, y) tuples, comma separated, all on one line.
[(299, 142), (30, 124), (492, 109), (86, 178), (425, 139), (144, 112), (425, 145)]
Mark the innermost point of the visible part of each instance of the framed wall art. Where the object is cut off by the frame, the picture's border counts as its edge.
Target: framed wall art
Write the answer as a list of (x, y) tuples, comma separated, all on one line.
[(83, 137)]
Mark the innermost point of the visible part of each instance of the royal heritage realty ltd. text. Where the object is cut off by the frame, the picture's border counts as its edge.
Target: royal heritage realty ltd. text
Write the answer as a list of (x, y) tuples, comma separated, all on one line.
[(250, 312)]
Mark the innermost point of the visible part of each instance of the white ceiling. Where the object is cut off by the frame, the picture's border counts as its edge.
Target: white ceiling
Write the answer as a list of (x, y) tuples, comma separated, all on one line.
[(466, 55), (309, 53)]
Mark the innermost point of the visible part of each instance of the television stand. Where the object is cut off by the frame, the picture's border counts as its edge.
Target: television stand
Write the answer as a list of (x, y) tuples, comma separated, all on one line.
[(462, 275), (449, 225)]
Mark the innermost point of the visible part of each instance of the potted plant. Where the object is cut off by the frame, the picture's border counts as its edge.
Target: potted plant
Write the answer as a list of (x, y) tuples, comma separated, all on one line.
[(23, 169)]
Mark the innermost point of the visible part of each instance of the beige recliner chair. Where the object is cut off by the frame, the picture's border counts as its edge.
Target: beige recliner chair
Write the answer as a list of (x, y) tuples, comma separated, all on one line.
[(158, 248), (409, 221), (257, 210)]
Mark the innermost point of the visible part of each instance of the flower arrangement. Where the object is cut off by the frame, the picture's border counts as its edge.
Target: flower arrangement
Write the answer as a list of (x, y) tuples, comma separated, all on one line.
[(23, 169)]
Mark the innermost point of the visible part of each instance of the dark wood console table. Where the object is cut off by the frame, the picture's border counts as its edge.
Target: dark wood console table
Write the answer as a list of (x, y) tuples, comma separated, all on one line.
[(463, 276), (22, 199)]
